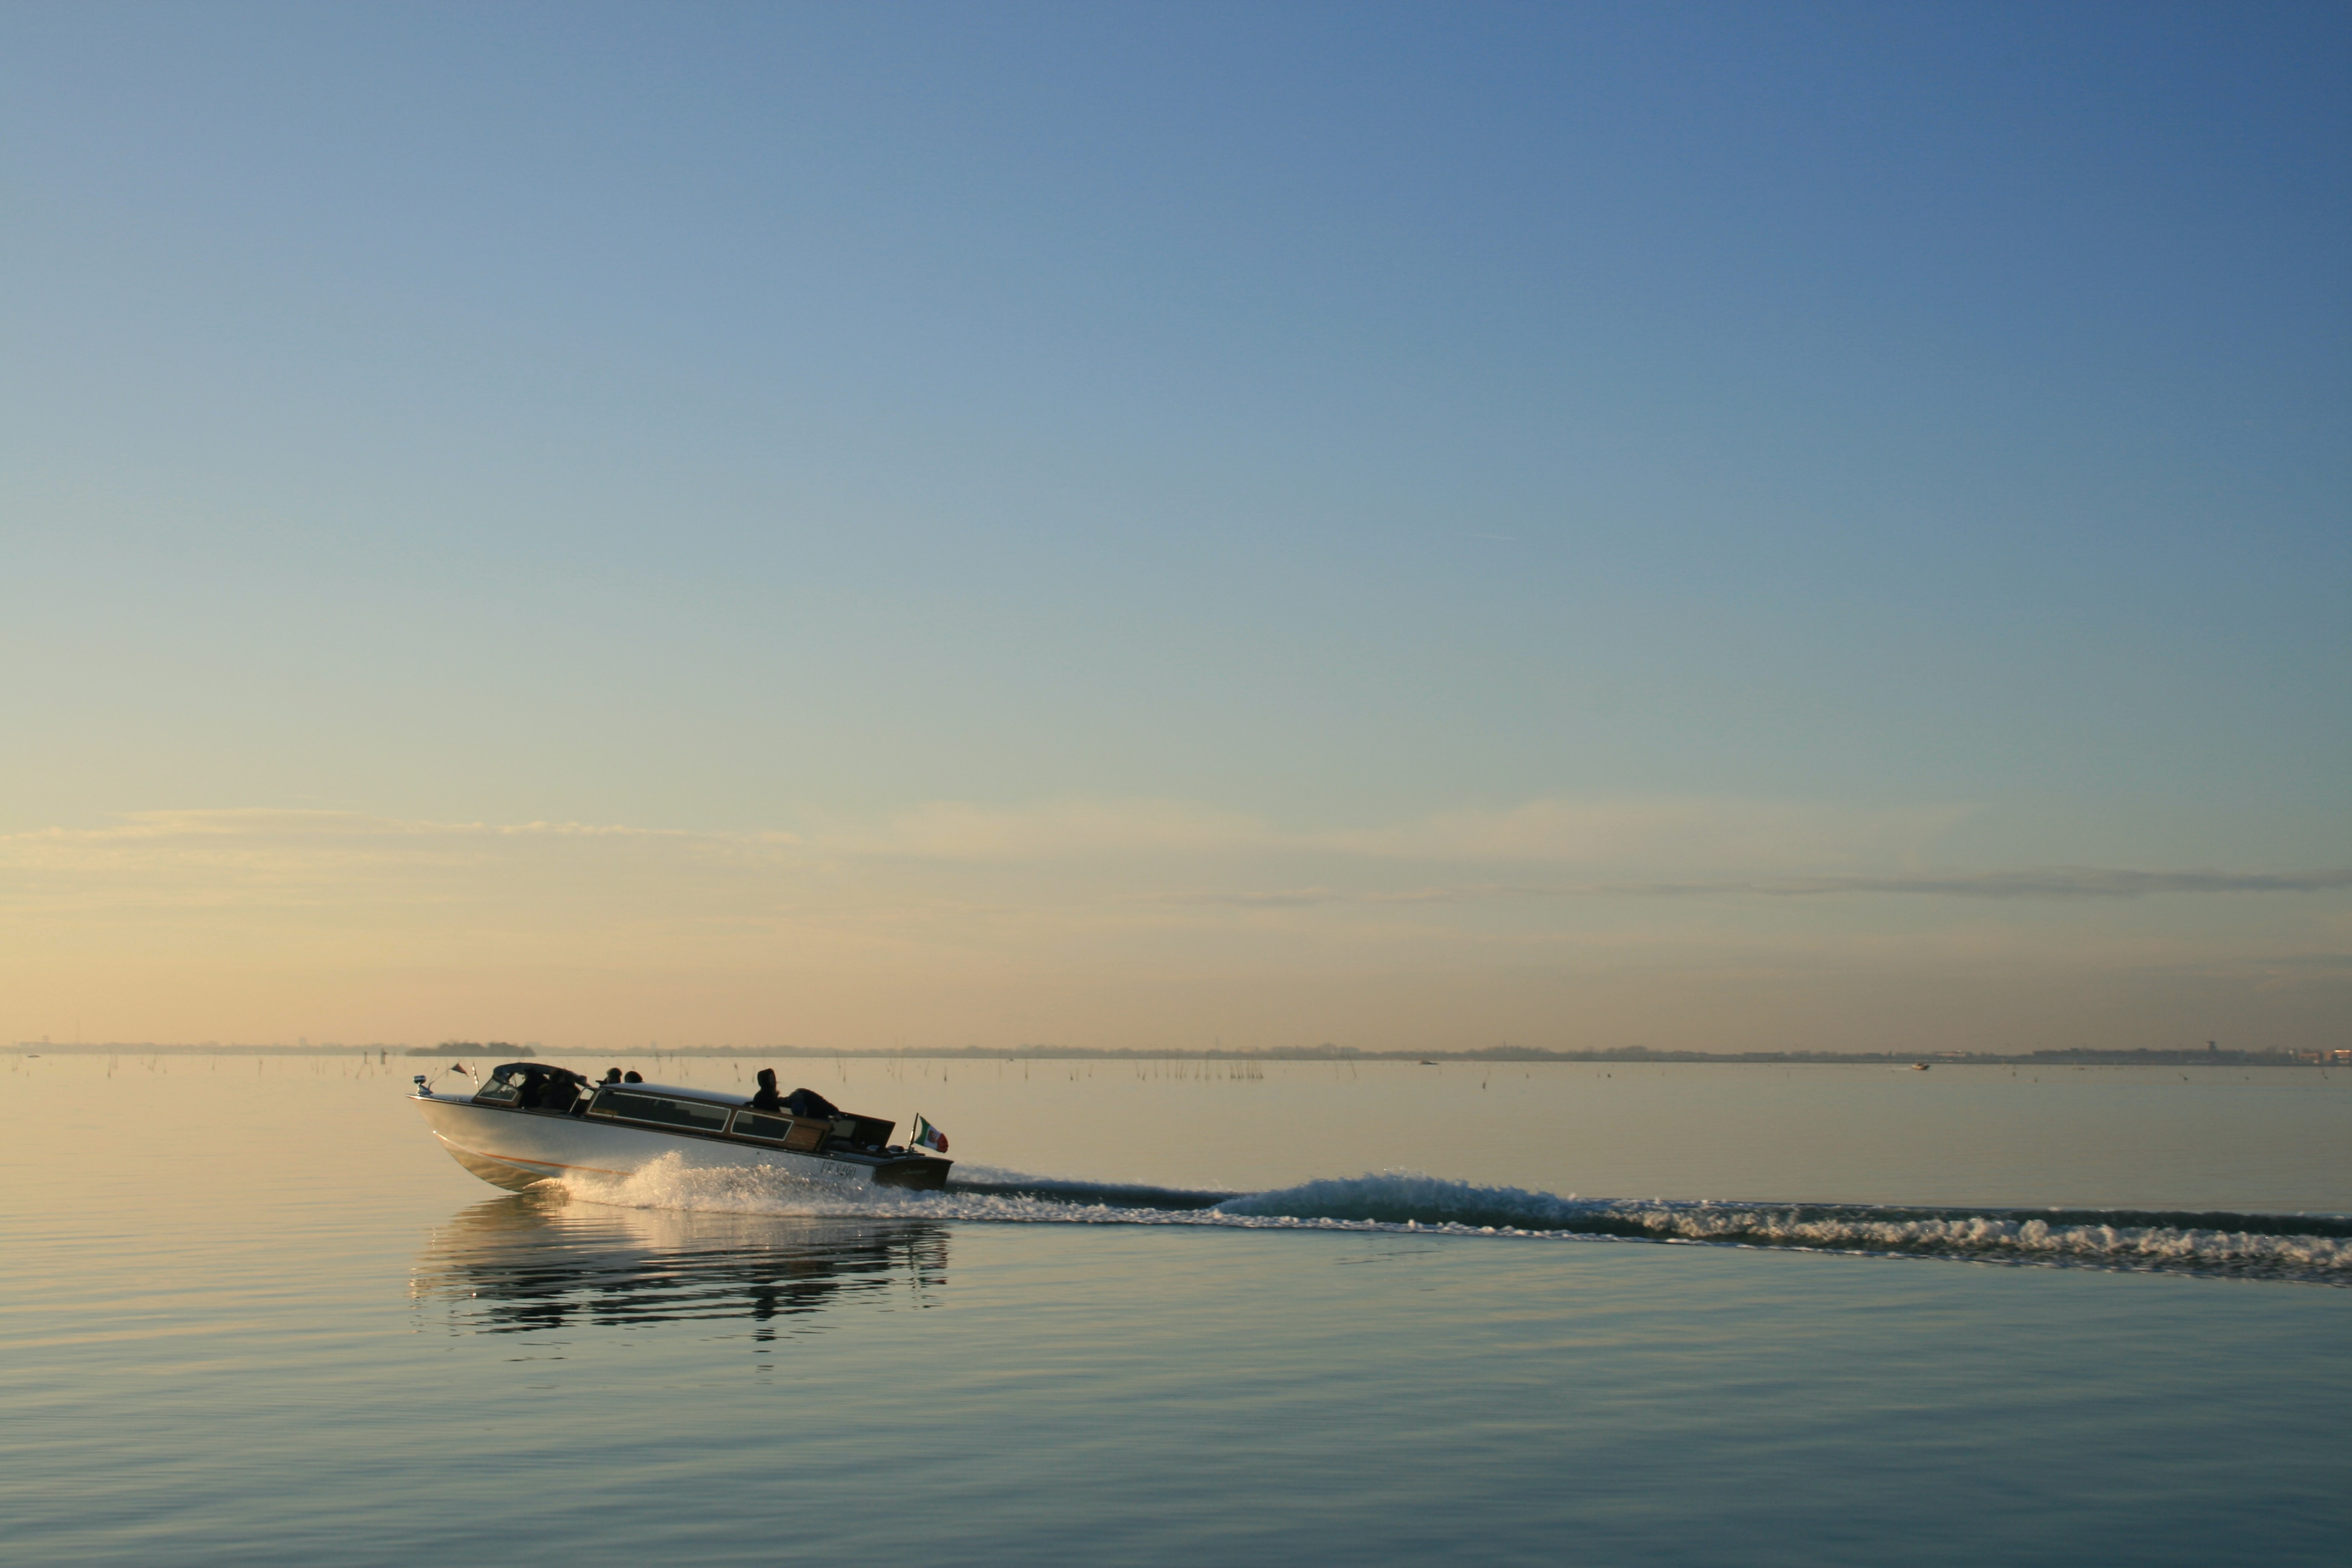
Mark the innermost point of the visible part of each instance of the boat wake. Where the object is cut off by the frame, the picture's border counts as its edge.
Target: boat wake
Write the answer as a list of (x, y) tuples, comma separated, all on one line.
[(2306, 1248)]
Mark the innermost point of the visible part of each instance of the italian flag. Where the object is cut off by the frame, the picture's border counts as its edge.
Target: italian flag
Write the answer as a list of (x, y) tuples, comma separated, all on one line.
[(928, 1136)]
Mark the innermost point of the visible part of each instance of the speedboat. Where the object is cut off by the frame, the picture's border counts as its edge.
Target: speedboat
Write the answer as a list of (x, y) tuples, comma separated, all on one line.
[(531, 1122)]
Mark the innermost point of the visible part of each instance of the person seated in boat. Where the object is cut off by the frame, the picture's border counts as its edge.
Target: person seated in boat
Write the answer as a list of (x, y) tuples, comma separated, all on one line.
[(544, 1091), (808, 1102), (611, 1075), (767, 1099)]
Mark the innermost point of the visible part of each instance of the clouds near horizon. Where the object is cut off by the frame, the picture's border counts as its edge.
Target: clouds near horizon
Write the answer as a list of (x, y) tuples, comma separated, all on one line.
[(1100, 911)]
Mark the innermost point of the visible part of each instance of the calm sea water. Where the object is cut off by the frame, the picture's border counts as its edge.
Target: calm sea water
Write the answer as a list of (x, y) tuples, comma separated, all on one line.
[(1562, 1313)]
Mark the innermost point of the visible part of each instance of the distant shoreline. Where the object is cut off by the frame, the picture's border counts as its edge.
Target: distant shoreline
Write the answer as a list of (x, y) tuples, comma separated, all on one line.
[(1628, 1054)]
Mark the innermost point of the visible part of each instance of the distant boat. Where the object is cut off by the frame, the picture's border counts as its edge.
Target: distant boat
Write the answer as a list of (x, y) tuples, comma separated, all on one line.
[(1427, 1063), (532, 1123), (1918, 1067)]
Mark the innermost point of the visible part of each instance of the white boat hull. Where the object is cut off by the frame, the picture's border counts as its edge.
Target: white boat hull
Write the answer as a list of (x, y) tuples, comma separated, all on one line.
[(518, 1149)]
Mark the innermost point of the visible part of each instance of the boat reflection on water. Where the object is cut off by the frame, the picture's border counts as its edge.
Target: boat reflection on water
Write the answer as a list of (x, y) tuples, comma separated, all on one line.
[(537, 1260)]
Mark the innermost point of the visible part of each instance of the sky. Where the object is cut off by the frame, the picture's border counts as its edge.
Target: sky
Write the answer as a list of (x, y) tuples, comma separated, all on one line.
[(1410, 526)]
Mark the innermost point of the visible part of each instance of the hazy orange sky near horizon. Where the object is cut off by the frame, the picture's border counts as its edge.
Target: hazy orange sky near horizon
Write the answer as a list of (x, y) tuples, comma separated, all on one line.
[(1690, 924), (1405, 526)]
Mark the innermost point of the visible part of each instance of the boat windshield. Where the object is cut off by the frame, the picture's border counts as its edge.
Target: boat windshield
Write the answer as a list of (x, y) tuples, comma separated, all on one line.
[(504, 1087), (533, 1085)]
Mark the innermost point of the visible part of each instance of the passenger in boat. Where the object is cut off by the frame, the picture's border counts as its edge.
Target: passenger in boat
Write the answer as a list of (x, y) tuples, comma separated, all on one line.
[(611, 1075), (549, 1090), (808, 1102), (633, 1076), (767, 1099)]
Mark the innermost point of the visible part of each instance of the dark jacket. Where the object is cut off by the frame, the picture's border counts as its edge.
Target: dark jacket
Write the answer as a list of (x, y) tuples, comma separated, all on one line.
[(810, 1103)]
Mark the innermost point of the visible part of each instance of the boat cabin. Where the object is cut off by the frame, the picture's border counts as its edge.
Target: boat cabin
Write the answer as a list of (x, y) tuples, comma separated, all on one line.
[(696, 1112)]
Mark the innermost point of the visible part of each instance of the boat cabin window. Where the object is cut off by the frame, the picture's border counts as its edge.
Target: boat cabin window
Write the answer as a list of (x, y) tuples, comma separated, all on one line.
[(802, 1136), (769, 1128), (632, 1105)]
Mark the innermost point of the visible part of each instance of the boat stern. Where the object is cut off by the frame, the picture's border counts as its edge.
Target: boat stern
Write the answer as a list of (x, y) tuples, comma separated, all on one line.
[(913, 1172)]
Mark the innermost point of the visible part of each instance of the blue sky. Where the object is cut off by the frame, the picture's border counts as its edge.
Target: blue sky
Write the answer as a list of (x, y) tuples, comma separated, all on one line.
[(737, 420)]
